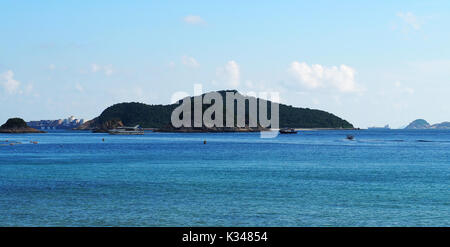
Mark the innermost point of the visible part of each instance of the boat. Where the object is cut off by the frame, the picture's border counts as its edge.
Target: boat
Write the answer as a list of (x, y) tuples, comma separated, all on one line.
[(136, 130), (386, 127), (288, 131), (350, 137)]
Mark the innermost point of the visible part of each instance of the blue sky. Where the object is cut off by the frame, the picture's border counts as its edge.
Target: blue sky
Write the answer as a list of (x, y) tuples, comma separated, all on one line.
[(370, 62)]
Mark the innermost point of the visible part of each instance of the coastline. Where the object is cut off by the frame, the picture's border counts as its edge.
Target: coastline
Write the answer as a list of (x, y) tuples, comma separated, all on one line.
[(237, 130), (21, 131), (318, 129)]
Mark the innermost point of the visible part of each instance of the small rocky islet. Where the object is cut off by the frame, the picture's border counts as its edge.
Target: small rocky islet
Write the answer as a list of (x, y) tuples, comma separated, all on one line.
[(17, 126)]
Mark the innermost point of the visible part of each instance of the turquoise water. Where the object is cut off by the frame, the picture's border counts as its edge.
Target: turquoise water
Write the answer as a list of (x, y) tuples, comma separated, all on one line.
[(314, 178)]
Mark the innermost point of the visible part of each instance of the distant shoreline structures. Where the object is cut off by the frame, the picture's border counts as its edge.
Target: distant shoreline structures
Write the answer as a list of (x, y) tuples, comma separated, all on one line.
[(68, 123)]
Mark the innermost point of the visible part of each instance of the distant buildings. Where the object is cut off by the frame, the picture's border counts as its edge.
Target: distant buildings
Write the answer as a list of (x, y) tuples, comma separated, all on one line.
[(68, 123)]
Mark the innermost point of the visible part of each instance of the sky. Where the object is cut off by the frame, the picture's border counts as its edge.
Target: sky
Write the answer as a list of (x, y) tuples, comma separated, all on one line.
[(370, 62)]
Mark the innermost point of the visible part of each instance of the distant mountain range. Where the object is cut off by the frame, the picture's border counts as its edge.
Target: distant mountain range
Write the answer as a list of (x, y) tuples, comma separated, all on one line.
[(423, 124), (158, 116)]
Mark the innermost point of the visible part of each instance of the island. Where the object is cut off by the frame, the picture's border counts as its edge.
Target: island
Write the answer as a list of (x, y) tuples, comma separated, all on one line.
[(423, 124), (16, 126), (443, 125), (158, 118)]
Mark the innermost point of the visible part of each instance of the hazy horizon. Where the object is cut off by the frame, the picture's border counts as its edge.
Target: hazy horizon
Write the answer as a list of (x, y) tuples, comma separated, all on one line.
[(391, 66)]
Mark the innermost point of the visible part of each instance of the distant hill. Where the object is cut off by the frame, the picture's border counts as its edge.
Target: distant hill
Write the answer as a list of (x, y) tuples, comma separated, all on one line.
[(418, 124), (444, 125), (158, 116), (422, 124)]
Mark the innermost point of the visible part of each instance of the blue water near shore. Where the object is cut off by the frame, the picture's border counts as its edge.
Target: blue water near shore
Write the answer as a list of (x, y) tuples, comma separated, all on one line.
[(314, 178)]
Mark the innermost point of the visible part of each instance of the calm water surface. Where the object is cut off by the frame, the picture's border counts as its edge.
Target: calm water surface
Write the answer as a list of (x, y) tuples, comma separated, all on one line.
[(314, 178)]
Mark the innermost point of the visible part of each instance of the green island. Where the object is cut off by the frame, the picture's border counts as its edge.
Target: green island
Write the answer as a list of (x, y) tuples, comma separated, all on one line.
[(158, 117), (17, 125)]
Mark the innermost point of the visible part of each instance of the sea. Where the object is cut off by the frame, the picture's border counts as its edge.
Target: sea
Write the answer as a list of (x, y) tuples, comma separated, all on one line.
[(313, 178)]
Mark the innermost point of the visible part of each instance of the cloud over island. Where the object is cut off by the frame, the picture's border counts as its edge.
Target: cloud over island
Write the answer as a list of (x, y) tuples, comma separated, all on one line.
[(317, 76)]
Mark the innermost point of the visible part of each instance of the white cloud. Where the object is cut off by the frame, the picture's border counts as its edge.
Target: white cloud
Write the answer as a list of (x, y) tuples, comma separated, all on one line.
[(309, 76), (107, 69), (79, 88), (190, 62), (410, 19), (230, 73), (8, 82), (28, 88), (249, 84), (95, 67), (409, 90), (404, 89), (316, 76), (194, 20), (432, 67)]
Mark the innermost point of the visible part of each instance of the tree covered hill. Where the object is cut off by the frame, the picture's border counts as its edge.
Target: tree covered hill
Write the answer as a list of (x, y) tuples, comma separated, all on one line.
[(158, 116), (17, 125), (14, 123)]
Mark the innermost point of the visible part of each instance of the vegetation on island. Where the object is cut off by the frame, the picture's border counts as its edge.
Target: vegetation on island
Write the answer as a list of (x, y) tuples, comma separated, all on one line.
[(14, 123), (132, 114), (158, 116), (17, 125)]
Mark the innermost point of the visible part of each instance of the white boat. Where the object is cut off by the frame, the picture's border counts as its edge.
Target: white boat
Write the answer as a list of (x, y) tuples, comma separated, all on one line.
[(136, 130)]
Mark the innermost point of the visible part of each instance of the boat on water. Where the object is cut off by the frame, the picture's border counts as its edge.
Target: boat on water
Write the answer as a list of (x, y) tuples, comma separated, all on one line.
[(136, 130), (288, 131), (386, 127), (350, 137)]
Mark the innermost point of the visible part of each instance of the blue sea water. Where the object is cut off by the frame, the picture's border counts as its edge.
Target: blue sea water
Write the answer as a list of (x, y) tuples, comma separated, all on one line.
[(314, 178)]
